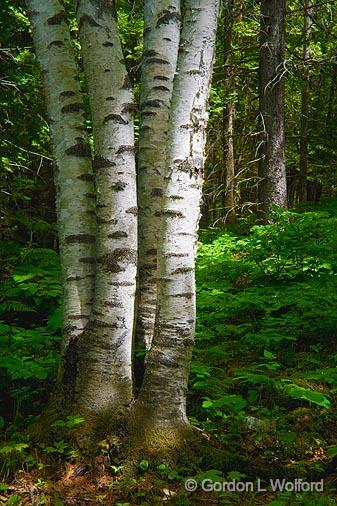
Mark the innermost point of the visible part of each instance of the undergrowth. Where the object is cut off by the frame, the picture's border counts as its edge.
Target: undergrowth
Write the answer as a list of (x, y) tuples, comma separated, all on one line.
[(263, 383)]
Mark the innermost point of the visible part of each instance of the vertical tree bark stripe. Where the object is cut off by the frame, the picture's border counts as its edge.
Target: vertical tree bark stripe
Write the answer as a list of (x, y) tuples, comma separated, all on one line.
[(73, 179)]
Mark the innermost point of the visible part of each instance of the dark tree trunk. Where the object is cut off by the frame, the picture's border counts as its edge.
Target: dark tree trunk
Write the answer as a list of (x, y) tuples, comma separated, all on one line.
[(228, 116), (305, 103), (272, 172)]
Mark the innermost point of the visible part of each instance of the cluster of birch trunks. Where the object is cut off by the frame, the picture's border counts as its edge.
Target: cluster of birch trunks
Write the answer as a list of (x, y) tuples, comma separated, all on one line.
[(127, 236)]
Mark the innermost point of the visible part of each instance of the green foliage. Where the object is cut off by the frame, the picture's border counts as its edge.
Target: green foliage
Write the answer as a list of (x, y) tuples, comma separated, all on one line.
[(265, 343), (295, 244), (30, 324)]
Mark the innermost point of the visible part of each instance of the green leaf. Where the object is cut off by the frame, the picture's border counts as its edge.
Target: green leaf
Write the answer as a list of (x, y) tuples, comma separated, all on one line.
[(297, 392), (144, 465)]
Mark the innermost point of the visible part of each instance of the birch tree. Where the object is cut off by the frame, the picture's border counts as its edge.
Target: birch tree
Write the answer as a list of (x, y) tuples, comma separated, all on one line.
[(161, 43), (161, 404), (72, 169), (105, 352), (174, 92)]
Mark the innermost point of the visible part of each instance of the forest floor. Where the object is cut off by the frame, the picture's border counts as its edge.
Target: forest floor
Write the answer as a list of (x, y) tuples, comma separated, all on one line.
[(263, 384)]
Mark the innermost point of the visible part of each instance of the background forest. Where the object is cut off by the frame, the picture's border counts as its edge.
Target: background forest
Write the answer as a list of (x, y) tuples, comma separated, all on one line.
[(263, 379)]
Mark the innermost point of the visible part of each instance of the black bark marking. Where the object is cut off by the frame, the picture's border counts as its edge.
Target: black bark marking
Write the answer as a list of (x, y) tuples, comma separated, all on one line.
[(113, 262), (125, 149), (90, 20), (149, 113), (129, 107), (107, 44), (120, 234), (102, 324), (67, 93), (170, 212), (100, 163), (102, 221), (115, 117), (132, 210), (161, 88), (183, 270), (195, 72), (157, 103), (107, 70), (176, 197), (150, 52), (176, 255), (57, 18), (109, 98), (152, 251), (161, 78), (118, 186), (56, 43), (80, 239), (145, 128), (146, 269), (101, 206), (81, 148), (121, 283), (166, 16), (76, 107), (156, 192), (86, 177), (113, 304)]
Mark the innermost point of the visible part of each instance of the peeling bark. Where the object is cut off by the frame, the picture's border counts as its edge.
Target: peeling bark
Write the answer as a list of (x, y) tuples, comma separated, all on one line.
[(72, 155), (104, 356), (162, 400), (161, 42)]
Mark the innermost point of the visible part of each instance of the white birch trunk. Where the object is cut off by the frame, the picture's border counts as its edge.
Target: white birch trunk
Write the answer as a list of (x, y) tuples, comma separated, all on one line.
[(73, 168), (162, 399), (161, 43), (104, 367)]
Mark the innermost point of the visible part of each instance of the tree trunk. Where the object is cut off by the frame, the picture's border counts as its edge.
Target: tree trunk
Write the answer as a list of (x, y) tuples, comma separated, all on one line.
[(272, 172), (104, 353), (305, 103), (228, 116), (161, 42), (73, 171), (161, 405)]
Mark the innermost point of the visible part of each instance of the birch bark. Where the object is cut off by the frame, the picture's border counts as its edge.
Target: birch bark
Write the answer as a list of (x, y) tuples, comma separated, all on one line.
[(104, 355), (161, 43), (162, 400), (73, 169)]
